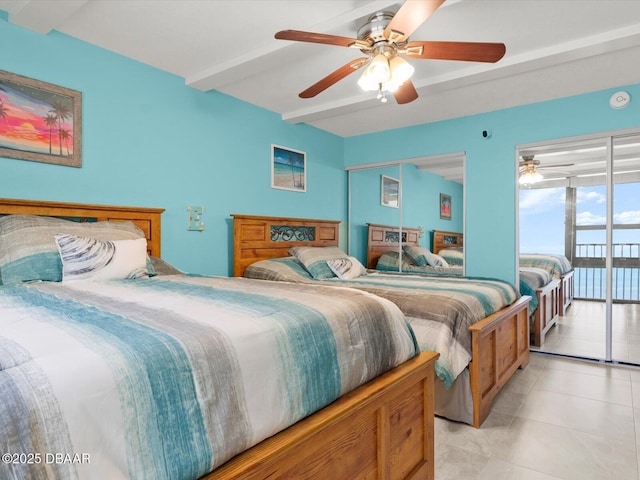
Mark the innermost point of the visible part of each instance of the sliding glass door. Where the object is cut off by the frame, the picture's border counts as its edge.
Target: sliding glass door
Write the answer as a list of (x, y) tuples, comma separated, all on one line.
[(595, 184)]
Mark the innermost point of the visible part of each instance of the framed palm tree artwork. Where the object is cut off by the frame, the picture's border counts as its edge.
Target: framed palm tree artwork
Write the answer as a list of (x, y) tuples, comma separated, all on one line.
[(39, 121), (288, 169)]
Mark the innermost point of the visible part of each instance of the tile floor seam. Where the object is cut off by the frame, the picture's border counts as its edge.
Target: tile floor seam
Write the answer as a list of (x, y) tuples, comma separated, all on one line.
[(587, 398)]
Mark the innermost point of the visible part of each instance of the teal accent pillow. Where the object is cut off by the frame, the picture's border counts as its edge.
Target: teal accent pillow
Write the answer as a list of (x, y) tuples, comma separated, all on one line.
[(314, 259), (390, 262), (423, 257), (453, 255)]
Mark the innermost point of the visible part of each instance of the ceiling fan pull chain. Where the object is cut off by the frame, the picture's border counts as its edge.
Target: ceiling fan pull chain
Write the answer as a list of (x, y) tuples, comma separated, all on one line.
[(382, 94)]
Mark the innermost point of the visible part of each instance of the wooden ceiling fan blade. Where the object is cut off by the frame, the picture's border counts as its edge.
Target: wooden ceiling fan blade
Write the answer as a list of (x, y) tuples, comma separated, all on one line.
[(557, 166), (411, 15), (334, 77), (463, 51), (406, 93), (300, 36)]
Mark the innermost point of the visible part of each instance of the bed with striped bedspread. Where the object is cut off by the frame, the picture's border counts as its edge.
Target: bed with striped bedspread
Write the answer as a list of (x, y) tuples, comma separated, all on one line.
[(440, 309), (556, 265), (169, 377)]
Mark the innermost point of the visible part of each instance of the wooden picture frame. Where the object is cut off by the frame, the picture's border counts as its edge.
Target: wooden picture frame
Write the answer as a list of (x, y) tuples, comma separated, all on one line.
[(39, 121), (288, 169), (389, 192), (445, 206)]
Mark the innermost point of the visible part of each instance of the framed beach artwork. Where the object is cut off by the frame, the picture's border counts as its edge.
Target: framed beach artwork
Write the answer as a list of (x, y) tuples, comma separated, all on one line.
[(390, 192), (445, 206), (39, 121), (288, 169)]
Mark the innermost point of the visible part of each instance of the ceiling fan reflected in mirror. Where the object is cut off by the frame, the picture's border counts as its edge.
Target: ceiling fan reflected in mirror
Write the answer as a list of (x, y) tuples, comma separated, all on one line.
[(384, 40), (529, 167)]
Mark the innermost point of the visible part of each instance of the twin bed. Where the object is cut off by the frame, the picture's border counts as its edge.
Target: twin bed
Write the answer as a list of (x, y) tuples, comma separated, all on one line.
[(164, 375), (479, 328)]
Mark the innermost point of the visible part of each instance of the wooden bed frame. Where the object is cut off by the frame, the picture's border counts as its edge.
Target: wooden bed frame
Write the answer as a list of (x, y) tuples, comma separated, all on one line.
[(500, 342), (381, 430), (147, 219), (566, 292), (550, 296)]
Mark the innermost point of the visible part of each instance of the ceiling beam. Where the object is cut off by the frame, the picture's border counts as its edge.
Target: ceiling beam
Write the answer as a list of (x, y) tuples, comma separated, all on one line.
[(42, 17), (264, 57), (477, 73)]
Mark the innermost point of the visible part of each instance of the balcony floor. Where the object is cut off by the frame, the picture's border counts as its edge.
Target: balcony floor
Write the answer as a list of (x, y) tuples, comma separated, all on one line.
[(581, 332)]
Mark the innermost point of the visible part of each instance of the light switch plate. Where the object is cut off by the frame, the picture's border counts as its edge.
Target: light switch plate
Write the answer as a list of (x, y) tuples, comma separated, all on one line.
[(195, 218)]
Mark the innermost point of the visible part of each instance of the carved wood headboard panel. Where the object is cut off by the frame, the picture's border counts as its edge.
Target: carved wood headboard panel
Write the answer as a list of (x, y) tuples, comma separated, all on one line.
[(261, 238), (442, 239), (147, 219), (382, 238)]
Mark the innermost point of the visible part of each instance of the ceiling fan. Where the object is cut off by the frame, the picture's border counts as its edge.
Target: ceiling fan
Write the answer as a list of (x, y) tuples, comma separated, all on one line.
[(529, 167), (384, 39)]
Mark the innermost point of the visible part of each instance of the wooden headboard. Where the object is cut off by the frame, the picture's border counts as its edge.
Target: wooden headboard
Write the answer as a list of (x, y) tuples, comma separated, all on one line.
[(442, 239), (147, 219), (261, 238), (382, 238)]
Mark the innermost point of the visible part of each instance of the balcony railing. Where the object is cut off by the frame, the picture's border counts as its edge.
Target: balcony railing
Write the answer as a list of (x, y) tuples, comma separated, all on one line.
[(590, 276)]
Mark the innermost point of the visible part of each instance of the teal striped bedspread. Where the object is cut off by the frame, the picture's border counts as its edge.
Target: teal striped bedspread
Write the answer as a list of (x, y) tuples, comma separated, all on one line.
[(530, 280), (440, 309), (556, 265), (169, 377)]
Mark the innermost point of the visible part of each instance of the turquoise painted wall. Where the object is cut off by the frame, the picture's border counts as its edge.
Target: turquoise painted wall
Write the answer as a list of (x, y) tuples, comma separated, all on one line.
[(490, 239), (148, 140)]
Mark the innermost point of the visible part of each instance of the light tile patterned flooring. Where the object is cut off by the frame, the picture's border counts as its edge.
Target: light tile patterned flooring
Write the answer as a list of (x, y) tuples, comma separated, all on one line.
[(556, 419), (582, 331)]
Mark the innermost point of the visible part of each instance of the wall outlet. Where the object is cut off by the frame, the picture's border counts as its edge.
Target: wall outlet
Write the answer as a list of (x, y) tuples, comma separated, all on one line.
[(195, 218)]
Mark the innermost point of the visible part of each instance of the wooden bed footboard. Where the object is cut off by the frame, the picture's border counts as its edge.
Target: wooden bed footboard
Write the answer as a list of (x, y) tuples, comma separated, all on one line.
[(546, 315), (500, 345), (566, 292), (382, 430)]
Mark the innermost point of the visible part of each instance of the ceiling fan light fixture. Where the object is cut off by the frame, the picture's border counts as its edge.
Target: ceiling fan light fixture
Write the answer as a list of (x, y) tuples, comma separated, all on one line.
[(367, 83), (379, 69), (401, 70), (530, 177)]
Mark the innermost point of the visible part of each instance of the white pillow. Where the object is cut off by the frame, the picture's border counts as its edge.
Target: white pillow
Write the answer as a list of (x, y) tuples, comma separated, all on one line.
[(85, 258), (436, 260), (346, 268)]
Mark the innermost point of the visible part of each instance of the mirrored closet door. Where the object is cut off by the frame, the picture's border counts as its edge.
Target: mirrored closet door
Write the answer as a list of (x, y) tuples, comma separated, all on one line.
[(404, 199)]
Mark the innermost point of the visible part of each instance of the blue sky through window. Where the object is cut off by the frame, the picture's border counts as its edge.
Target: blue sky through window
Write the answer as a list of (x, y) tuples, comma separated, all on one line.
[(542, 216)]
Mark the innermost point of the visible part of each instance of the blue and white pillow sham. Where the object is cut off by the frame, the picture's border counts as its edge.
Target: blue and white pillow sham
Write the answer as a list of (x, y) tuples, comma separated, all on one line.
[(85, 258), (346, 268)]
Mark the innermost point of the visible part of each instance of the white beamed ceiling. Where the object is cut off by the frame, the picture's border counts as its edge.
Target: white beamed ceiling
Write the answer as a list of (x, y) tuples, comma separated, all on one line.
[(555, 48)]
